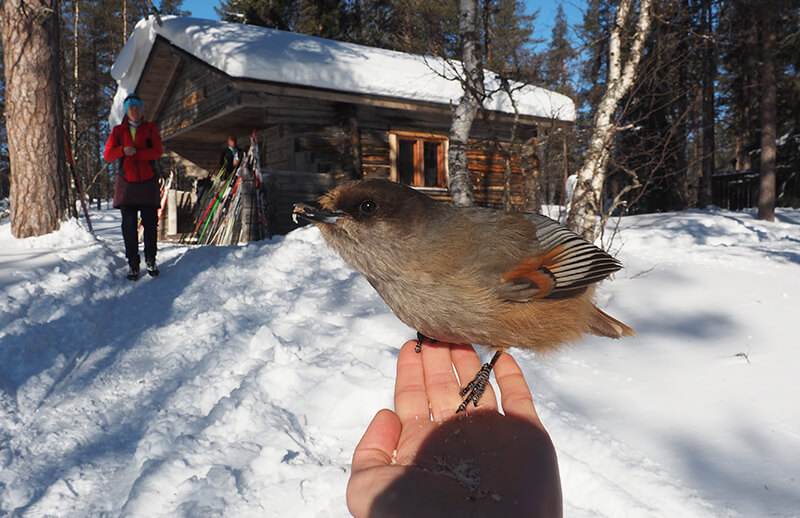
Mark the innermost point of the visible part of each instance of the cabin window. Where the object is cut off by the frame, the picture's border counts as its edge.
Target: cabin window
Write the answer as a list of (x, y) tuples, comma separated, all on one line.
[(419, 160)]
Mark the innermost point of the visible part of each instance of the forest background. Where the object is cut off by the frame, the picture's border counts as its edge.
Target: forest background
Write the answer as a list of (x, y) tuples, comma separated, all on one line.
[(693, 113)]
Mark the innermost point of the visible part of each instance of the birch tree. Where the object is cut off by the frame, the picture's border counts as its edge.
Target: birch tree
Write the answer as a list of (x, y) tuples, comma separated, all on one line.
[(469, 104), (587, 199)]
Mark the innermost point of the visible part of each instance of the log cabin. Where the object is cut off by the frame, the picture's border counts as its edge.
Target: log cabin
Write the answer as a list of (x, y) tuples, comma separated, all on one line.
[(325, 111)]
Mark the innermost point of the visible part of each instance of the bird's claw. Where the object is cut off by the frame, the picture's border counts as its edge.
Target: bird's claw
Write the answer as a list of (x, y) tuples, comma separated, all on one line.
[(421, 338), (475, 388)]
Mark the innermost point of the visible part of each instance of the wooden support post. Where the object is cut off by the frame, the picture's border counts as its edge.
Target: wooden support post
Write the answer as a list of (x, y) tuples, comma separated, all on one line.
[(172, 212)]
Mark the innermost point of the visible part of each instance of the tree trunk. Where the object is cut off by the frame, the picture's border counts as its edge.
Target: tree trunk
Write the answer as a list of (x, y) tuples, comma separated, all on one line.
[(33, 115), (467, 109), (766, 193), (709, 76), (587, 199), (748, 83), (124, 21), (72, 103), (531, 172)]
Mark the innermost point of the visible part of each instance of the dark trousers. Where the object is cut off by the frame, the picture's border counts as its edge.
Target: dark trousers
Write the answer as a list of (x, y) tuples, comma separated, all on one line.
[(130, 216)]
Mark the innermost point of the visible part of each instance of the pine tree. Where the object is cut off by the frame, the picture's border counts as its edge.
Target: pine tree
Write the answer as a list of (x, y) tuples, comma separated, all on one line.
[(30, 33), (508, 39), (173, 7), (323, 18), (415, 26), (707, 80), (554, 144), (5, 168), (559, 58), (370, 22), (768, 29), (739, 38), (743, 86), (275, 14), (594, 33)]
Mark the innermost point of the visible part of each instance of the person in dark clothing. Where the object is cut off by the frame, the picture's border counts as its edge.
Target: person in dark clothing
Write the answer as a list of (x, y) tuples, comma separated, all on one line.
[(231, 156), (228, 161), (136, 144)]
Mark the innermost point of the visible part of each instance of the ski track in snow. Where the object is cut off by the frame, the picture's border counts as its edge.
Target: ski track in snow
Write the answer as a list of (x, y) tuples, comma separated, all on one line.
[(239, 381)]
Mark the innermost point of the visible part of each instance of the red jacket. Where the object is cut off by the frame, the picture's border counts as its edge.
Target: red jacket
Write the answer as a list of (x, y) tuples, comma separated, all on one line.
[(136, 183)]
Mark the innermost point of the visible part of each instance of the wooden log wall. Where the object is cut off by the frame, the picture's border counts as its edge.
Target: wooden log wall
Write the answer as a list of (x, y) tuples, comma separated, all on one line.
[(375, 161), (487, 169), (332, 148), (277, 149), (285, 188), (320, 150), (200, 92)]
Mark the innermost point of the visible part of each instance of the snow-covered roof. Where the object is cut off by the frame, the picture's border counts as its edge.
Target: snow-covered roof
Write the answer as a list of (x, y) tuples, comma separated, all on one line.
[(251, 52)]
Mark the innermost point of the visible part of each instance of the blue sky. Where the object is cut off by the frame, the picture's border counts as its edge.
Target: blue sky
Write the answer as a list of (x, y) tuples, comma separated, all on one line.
[(201, 8), (547, 11)]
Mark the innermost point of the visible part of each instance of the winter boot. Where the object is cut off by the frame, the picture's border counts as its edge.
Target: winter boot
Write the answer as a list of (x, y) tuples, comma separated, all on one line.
[(152, 269), (133, 271)]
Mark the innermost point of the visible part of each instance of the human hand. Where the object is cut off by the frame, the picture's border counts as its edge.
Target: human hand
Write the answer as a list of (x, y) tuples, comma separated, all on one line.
[(129, 150), (424, 460)]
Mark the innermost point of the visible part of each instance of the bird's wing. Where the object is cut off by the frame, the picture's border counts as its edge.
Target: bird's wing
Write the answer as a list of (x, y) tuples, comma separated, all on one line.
[(564, 265)]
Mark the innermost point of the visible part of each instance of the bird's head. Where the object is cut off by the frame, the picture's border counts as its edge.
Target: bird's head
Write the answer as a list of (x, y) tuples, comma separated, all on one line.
[(368, 210)]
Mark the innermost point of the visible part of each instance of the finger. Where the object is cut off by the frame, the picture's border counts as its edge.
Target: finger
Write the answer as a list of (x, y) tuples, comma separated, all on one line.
[(410, 397), (467, 365), (377, 446), (514, 392), (440, 380)]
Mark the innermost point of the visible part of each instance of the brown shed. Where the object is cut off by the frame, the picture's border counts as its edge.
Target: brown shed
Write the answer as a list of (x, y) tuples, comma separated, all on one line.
[(324, 111)]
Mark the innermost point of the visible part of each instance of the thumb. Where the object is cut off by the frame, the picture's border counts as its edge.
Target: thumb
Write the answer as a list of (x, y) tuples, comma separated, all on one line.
[(375, 450), (379, 442)]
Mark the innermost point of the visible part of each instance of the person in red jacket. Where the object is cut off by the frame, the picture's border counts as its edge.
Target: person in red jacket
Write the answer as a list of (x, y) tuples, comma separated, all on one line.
[(136, 144)]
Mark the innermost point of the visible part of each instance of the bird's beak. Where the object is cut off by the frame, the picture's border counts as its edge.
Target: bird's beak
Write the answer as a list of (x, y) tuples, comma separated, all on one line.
[(316, 215)]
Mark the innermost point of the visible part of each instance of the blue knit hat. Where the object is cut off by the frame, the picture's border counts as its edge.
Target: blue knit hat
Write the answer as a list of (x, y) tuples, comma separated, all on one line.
[(132, 100)]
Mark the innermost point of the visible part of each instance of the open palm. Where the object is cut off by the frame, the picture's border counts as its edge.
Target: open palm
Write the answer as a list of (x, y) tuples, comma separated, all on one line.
[(424, 460)]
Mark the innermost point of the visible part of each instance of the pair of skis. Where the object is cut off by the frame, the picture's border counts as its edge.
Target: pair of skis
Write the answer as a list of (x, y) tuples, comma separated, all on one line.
[(208, 225), (261, 201), (217, 217)]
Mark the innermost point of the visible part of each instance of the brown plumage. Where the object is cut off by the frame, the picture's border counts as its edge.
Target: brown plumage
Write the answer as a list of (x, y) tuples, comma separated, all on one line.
[(468, 275)]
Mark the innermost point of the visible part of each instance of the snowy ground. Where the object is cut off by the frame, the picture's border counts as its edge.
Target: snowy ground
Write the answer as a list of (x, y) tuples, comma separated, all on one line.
[(238, 382)]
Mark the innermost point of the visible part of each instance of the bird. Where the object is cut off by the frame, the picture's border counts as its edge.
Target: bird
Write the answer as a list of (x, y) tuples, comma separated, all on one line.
[(468, 275)]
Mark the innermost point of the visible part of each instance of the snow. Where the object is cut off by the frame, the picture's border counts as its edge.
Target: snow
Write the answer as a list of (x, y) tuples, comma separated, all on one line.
[(239, 381), (251, 52)]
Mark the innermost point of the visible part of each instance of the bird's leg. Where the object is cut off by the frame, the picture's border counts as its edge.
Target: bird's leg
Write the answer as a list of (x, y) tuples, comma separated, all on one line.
[(477, 386), (421, 338)]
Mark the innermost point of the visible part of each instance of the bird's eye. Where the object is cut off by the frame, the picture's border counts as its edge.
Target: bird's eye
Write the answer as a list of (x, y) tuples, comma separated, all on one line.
[(368, 207)]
